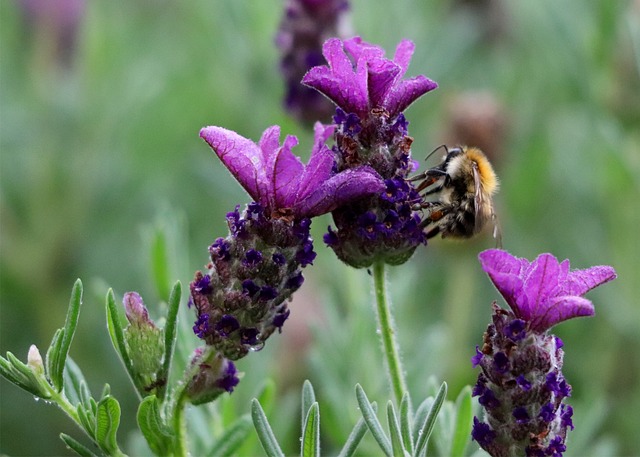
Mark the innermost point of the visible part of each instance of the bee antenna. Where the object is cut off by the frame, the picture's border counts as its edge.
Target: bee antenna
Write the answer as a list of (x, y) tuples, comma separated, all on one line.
[(436, 149)]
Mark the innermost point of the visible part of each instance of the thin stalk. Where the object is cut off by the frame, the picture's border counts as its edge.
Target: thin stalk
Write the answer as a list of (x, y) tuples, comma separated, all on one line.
[(179, 424), (387, 333)]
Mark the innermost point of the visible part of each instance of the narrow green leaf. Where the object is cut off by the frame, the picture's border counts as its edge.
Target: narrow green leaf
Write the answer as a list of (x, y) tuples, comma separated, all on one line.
[(372, 421), (308, 399), (74, 383), (87, 420), (170, 331), (76, 447), (421, 416), (425, 431), (232, 438), (311, 433), (53, 353), (116, 332), (62, 347), (265, 434), (405, 422), (354, 438), (394, 430), (21, 375), (107, 422), (464, 419), (160, 263), (152, 426)]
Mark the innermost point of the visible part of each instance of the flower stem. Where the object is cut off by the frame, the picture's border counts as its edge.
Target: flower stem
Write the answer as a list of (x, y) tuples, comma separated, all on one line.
[(179, 425), (387, 332)]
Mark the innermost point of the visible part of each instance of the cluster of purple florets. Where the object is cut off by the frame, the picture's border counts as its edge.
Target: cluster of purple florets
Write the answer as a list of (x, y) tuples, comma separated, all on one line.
[(242, 299), (521, 389)]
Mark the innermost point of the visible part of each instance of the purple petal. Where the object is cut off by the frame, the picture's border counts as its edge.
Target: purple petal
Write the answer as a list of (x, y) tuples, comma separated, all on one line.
[(286, 174), (404, 52), (382, 76), (320, 164), (338, 190), (560, 309), (339, 82), (501, 261), (579, 282), (242, 157), (406, 92), (540, 282)]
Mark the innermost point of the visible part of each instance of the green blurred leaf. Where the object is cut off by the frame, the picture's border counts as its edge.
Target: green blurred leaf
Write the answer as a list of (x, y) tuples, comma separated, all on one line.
[(308, 399), (463, 422), (107, 422), (267, 395), (232, 438), (116, 332), (170, 332), (430, 421), (265, 434), (159, 437), (59, 348), (369, 415), (75, 386), (311, 432), (394, 429), (355, 437), (405, 422), (160, 263), (75, 446)]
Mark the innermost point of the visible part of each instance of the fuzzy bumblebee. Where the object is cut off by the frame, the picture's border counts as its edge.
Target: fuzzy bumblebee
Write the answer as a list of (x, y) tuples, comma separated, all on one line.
[(465, 184)]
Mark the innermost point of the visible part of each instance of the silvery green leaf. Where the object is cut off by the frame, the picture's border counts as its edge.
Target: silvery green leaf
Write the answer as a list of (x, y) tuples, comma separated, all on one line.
[(405, 422), (77, 447), (170, 330), (427, 428), (308, 399), (394, 429), (265, 434), (372, 421), (311, 432)]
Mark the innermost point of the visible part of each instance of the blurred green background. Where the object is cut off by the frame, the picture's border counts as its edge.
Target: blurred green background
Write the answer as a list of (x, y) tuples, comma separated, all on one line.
[(100, 156)]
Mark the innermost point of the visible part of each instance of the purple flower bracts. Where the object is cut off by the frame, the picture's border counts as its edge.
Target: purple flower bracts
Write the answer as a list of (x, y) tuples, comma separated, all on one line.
[(359, 77), (543, 292), (278, 180)]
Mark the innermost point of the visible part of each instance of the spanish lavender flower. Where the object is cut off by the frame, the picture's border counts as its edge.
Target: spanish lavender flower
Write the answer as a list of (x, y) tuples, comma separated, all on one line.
[(521, 386), (241, 300), (371, 96), (305, 26), (214, 375)]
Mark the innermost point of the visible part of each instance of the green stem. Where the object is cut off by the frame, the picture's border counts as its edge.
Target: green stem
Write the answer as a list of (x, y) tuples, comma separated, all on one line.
[(387, 332), (179, 424)]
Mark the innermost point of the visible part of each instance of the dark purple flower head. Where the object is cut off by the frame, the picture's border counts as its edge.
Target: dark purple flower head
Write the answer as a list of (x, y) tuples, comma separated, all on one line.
[(521, 385), (543, 292), (359, 78), (278, 180), (305, 25)]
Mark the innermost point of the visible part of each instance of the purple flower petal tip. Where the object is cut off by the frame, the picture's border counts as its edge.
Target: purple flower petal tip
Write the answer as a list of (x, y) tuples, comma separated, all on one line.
[(274, 177), (359, 78), (543, 292)]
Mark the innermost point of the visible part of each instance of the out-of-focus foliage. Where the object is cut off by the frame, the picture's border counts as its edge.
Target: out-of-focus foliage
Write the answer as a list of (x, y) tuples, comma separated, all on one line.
[(99, 152)]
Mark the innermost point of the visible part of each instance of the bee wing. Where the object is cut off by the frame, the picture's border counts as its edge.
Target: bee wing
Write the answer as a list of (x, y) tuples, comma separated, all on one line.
[(478, 198)]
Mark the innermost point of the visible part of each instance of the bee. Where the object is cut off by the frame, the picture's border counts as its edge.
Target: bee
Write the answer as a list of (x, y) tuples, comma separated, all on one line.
[(465, 184)]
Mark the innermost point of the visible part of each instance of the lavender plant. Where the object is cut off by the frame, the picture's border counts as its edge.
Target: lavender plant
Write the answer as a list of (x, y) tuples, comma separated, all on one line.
[(521, 386), (358, 171)]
